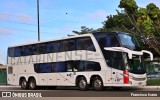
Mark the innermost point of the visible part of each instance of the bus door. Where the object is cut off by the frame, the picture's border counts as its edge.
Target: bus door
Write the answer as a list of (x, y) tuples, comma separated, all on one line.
[(117, 68), (12, 75), (117, 76)]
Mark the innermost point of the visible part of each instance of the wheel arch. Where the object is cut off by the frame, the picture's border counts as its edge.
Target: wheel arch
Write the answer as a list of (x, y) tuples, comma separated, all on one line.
[(31, 77), (21, 78)]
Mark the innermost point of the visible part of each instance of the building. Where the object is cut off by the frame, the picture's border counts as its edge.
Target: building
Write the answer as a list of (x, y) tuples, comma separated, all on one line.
[(3, 67)]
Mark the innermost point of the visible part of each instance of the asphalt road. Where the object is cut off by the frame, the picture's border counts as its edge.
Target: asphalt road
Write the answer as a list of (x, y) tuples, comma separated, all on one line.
[(75, 92)]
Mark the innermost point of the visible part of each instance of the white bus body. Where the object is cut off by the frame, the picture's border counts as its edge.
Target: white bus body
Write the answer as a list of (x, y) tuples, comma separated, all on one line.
[(88, 66)]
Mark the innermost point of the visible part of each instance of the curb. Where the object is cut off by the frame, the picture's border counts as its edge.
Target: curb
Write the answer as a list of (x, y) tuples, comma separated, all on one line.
[(151, 87)]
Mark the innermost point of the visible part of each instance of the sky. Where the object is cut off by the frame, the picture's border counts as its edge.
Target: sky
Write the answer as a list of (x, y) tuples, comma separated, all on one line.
[(18, 19)]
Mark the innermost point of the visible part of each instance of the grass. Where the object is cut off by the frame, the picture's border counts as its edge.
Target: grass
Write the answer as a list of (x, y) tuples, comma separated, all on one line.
[(152, 82)]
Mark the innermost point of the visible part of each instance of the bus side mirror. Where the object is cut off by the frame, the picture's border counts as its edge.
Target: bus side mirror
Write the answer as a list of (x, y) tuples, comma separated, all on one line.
[(122, 49), (148, 52)]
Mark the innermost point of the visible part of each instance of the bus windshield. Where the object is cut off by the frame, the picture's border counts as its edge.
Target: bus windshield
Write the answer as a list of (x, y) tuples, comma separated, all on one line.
[(128, 41), (135, 65)]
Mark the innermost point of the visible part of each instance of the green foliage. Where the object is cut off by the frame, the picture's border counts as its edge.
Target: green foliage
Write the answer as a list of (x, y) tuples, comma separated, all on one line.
[(144, 22), (117, 23), (141, 12), (84, 30), (153, 11), (129, 5), (153, 82)]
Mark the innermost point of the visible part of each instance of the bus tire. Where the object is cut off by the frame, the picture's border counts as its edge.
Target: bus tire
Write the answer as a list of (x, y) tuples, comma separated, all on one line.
[(32, 84), (24, 84), (82, 84), (97, 84)]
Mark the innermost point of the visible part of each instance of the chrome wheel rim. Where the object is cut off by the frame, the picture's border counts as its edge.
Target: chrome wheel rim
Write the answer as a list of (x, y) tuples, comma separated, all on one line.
[(82, 83), (32, 84), (97, 83), (24, 84)]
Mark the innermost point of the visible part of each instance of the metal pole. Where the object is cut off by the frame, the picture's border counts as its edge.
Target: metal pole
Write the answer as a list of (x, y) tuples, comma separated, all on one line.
[(38, 20)]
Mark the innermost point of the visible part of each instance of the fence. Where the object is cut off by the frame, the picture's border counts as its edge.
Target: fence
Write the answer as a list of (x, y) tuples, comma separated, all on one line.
[(152, 66), (3, 77)]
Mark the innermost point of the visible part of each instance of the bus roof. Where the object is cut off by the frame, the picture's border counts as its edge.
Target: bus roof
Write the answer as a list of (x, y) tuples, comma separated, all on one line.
[(63, 38), (69, 37)]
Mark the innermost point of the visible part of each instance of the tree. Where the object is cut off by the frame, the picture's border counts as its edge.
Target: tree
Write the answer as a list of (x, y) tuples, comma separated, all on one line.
[(144, 23), (130, 6), (143, 20), (153, 11), (117, 22), (84, 30)]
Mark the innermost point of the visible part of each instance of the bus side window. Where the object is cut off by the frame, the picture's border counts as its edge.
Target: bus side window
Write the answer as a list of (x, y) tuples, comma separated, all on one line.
[(11, 52), (28, 50), (92, 66), (56, 46), (43, 68), (52, 47), (115, 60), (79, 65), (67, 45), (18, 51), (85, 44), (59, 67), (108, 41), (69, 66), (36, 68), (87, 66), (41, 48), (49, 47), (10, 70), (112, 41), (34, 49)]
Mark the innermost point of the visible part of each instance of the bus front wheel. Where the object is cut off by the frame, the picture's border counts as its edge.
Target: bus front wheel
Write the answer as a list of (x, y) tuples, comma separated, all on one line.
[(32, 84), (83, 84), (24, 84)]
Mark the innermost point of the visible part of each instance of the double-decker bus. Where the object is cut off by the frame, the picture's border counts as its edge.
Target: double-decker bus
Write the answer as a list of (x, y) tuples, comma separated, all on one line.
[(97, 60)]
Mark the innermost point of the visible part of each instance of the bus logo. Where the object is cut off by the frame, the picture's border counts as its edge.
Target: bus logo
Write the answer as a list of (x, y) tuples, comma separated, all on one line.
[(6, 94)]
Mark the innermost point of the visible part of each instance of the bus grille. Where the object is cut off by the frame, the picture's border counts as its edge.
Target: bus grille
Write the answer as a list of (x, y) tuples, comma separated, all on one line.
[(139, 79)]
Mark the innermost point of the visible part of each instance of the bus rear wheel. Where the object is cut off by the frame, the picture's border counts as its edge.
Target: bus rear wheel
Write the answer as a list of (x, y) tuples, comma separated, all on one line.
[(24, 84), (32, 84), (83, 84), (97, 84)]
